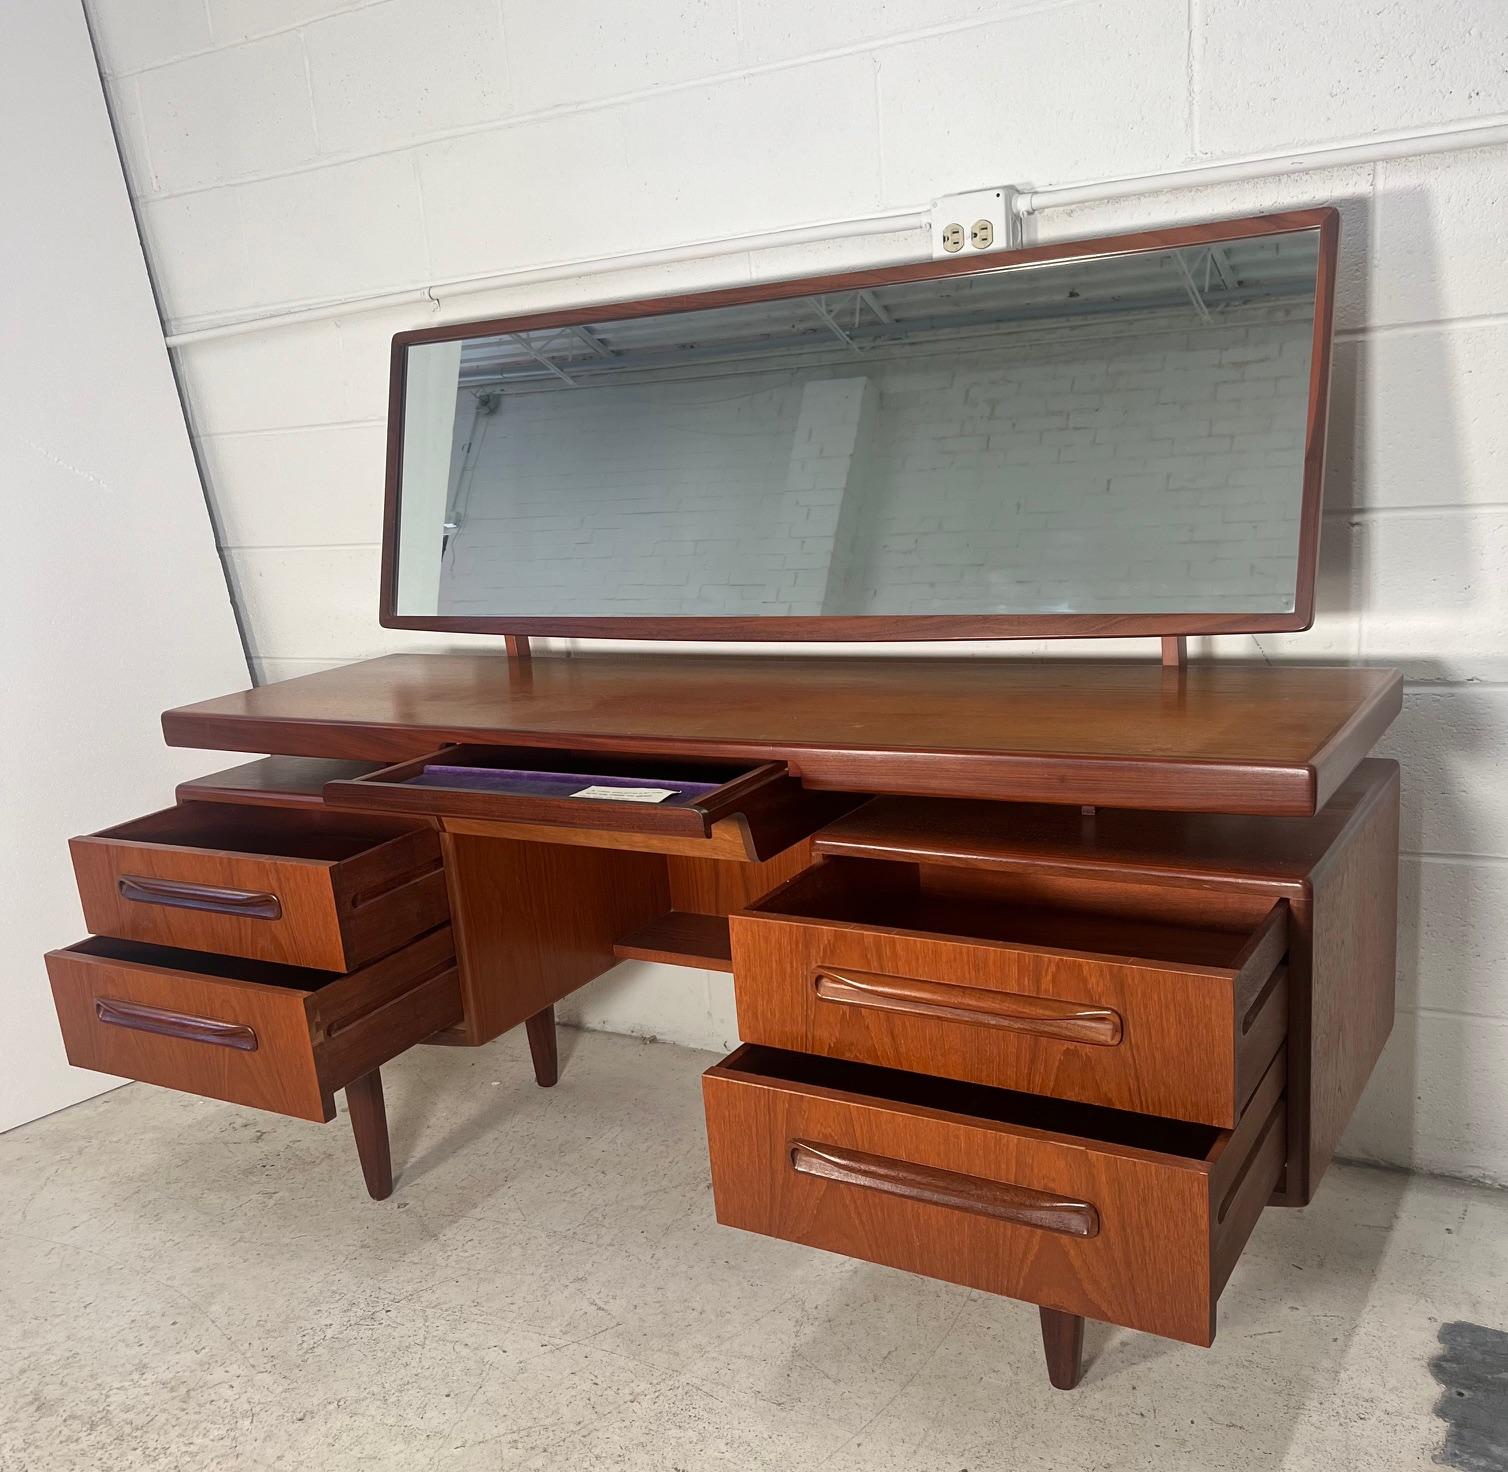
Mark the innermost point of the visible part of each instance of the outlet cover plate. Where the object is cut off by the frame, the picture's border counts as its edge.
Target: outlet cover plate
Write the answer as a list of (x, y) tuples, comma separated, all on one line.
[(966, 210)]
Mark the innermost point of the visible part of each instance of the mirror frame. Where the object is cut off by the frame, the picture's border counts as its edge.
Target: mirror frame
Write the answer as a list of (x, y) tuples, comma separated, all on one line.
[(888, 627)]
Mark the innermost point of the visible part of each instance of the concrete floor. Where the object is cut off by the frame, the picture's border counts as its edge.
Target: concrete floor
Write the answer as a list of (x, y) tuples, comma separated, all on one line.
[(187, 1285)]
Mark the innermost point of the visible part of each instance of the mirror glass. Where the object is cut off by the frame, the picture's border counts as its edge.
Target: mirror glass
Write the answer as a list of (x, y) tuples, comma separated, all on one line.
[(1114, 434)]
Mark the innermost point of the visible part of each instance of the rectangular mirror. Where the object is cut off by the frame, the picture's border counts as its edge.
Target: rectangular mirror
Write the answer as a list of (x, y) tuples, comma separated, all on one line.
[(1115, 436)]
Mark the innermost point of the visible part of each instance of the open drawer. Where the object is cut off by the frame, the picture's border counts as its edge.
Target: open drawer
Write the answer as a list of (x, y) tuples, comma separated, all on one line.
[(1122, 996), (738, 810), (1114, 1216), (303, 888), (282, 1038)]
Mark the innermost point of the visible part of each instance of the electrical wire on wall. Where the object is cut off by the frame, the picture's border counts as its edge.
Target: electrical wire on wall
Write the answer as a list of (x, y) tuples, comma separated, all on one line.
[(458, 498)]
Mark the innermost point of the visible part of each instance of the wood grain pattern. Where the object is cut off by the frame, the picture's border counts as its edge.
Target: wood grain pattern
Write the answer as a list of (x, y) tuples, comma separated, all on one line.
[(1156, 1190), (728, 842), (679, 938), (1040, 1017), (544, 1047), (1016, 1204), (313, 1033), (274, 781), (303, 888), (115, 1013), (1157, 1012), (715, 887), (534, 921), (1263, 855), (1344, 978), (1063, 1344), (369, 1127), (1338, 872), (1326, 222), (1226, 738)]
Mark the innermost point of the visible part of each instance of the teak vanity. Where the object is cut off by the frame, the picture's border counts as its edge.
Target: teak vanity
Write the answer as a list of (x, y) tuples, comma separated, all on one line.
[(1051, 975)]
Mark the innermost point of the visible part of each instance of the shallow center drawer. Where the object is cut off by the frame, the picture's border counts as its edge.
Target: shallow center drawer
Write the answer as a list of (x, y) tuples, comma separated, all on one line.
[(1120, 1217), (1139, 1008), (283, 1038), (304, 888), (738, 810)]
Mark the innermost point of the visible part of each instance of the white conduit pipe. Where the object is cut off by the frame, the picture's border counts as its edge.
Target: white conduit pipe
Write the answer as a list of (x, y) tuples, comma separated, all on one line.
[(1374, 150), (894, 222), (1377, 149)]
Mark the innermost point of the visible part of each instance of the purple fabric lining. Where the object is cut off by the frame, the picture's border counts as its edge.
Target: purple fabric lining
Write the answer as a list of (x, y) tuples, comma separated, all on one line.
[(522, 782)]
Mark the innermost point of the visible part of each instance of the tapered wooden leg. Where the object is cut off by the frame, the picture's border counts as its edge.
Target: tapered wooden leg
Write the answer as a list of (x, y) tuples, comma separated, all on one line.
[(369, 1125), (1063, 1339), (542, 1048)]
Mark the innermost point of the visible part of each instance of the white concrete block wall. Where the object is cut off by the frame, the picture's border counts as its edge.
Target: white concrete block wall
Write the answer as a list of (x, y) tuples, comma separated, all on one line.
[(262, 179)]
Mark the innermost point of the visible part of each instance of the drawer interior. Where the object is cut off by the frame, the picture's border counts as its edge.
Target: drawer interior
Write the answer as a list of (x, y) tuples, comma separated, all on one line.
[(888, 1086), (242, 829), (204, 963), (1184, 927), (588, 776)]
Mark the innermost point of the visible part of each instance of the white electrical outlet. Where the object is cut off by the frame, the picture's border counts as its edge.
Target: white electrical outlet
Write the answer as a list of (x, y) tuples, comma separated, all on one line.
[(983, 219)]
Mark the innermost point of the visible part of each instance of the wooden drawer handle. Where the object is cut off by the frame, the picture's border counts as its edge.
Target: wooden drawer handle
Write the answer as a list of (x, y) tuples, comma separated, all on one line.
[(1016, 1204), (179, 895), (175, 1025), (1041, 1017)]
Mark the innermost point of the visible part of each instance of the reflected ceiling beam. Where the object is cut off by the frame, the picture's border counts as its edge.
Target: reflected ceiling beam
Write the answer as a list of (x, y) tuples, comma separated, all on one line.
[(819, 306), (1191, 286), (596, 344), (1221, 262), (876, 306), (540, 358), (968, 330)]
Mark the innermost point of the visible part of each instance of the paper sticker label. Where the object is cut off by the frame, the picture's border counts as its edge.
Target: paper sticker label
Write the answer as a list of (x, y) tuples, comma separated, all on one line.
[(628, 794)]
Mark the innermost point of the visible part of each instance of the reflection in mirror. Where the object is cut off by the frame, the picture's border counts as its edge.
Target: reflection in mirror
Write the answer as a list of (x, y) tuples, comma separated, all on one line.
[(1122, 434)]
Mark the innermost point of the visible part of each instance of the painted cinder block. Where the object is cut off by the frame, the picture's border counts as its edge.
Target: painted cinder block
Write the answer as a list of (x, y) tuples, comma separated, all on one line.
[(989, 104), (384, 75), (1420, 418), (493, 200), (565, 51), (1452, 742), (770, 148), (1439, 245), (198, 251), (297, 487), (266, 380), (228, 114), (130, 36), (1438, 1099), (319, 236), (244, 20), (1291, 74), (1453, 935), (1432, 591)]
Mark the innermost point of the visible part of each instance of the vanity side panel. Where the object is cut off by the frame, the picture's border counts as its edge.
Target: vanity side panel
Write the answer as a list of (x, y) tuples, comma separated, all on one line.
[(535, 921), (1353, 950)]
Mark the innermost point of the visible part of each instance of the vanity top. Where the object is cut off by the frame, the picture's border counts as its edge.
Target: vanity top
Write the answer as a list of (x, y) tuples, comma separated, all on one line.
[(1224, 737)]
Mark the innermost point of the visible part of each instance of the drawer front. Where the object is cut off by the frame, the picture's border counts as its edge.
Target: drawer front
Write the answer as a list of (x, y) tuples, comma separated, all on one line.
[(1113, 1233), (332, 914), (142, 1012), (1186, 1043)]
